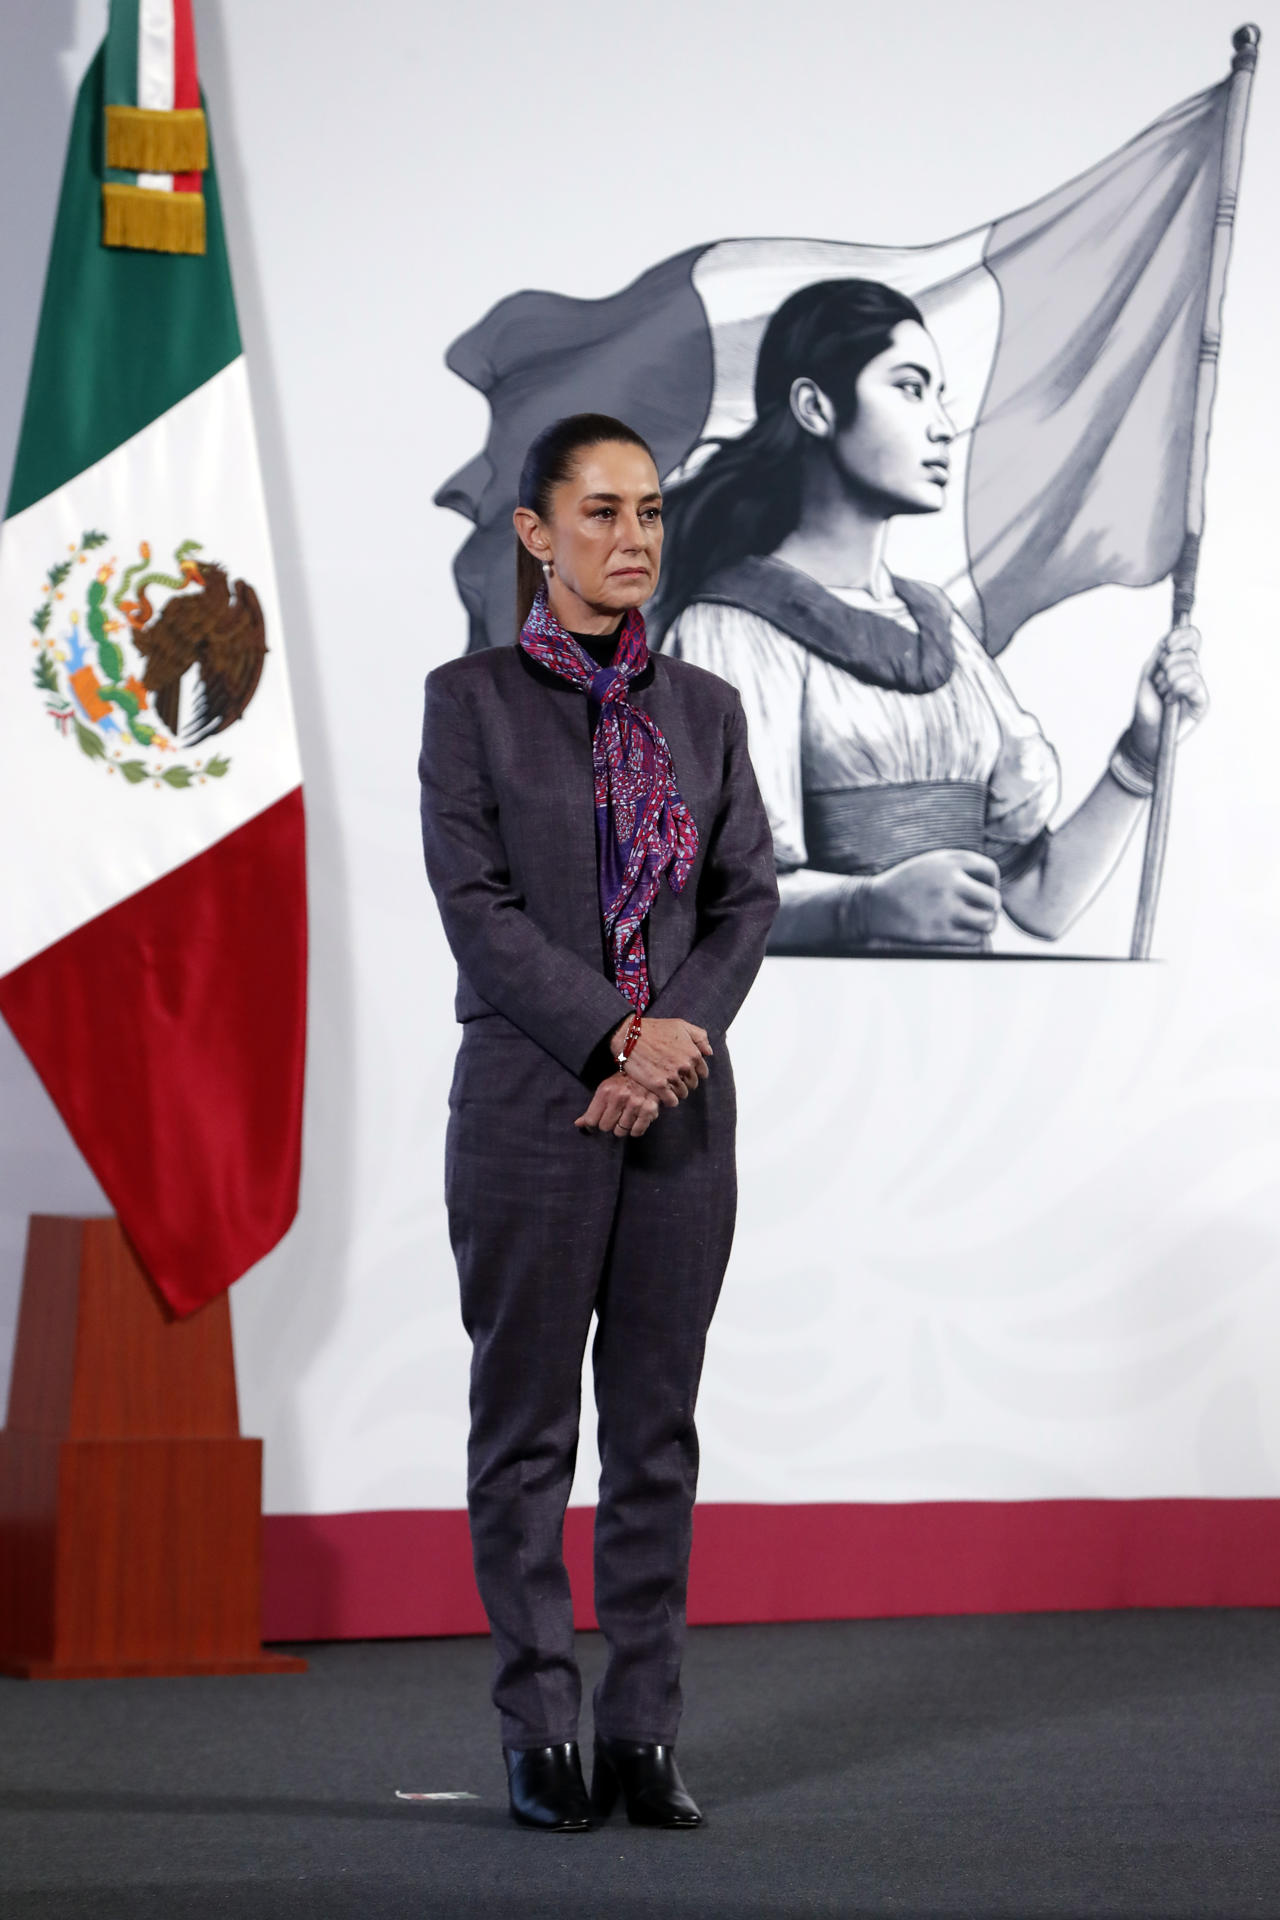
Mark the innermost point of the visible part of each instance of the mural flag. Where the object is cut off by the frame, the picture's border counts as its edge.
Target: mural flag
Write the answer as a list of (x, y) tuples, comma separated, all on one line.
[(1069, 332), (153, 930)]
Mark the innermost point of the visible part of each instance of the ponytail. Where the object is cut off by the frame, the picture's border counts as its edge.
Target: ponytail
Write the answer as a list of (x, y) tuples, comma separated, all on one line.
[(744, 499), (528, 580)]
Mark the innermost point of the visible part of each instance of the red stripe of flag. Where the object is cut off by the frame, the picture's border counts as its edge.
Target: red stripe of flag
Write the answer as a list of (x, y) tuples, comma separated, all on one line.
[(170, 1032), (186, 80), (186, 84)]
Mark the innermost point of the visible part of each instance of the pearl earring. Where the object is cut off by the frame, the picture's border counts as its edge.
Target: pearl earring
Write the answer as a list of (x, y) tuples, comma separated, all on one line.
[(546, 569)]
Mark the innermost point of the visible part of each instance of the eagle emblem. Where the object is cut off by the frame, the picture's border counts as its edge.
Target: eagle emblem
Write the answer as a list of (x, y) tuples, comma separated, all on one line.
[(142, 666)]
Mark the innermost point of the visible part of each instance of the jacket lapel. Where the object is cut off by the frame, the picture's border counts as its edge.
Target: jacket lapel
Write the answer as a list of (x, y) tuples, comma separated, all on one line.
[(557, 731)]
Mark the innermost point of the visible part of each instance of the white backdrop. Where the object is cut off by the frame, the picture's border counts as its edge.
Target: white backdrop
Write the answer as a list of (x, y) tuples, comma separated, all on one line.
[(1007, 1229)]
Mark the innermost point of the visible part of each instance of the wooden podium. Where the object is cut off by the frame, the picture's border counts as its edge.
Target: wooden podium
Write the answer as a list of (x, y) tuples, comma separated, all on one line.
[(130, 1507)]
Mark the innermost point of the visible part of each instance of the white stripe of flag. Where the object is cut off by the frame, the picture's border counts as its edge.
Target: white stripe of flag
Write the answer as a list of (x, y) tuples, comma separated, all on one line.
[(155, 72)]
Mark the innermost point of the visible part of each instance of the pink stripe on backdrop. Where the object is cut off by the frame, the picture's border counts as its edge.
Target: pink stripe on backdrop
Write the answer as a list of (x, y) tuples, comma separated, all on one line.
[(348, 1576)]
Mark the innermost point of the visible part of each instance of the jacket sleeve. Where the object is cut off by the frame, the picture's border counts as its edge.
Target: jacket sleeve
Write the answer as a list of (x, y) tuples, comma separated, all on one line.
[(549, 992), (737, 899)]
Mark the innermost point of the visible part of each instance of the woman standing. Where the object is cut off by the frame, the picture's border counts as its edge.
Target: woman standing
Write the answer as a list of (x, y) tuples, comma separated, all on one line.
[(603, 866), (908, 792)]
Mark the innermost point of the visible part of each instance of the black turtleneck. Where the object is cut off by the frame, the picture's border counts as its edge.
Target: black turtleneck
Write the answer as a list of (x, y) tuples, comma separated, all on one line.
[(601, 646)]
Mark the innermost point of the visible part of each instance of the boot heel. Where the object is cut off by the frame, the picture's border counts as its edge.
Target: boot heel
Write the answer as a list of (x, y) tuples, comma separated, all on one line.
[(605, 1786), (645, 1773), (547, 1789)]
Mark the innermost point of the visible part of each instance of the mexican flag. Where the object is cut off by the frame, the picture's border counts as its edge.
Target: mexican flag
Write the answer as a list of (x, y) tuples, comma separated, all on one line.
[(1070, 333), (153, 932)]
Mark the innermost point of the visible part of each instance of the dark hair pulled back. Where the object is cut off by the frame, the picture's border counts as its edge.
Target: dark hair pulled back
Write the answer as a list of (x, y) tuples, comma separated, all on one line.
[(746, 497), (550, 461)]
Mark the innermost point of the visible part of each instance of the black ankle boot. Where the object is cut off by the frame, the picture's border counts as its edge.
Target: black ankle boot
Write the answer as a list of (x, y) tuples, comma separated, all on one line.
[(647, 1777), (547, 1788)]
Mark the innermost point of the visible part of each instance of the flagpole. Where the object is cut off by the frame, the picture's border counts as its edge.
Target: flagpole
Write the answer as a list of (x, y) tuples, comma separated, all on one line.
[(1245, 41)]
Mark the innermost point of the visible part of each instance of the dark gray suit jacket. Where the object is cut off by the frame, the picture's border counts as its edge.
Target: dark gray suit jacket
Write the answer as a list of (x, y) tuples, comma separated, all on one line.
[(508, 829)]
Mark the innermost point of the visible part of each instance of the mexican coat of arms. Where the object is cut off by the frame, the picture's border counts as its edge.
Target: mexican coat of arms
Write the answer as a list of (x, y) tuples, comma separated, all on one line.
[(142, 666)]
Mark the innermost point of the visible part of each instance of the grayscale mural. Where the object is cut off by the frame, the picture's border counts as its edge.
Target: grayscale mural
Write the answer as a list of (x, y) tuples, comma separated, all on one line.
[(1023, 410)]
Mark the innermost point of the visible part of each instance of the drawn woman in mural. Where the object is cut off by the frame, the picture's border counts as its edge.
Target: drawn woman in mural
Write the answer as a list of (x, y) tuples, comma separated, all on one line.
[(909, 793)]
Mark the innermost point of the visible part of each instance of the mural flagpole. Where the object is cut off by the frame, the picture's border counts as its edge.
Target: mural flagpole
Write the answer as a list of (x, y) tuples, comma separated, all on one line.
[(1245, 41)]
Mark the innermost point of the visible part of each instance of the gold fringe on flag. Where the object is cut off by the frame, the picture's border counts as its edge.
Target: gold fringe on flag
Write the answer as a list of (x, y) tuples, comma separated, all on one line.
[(150, 219), (144, 140)]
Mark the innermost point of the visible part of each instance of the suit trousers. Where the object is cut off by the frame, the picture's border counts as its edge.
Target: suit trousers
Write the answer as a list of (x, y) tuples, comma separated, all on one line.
[(550, 1225)]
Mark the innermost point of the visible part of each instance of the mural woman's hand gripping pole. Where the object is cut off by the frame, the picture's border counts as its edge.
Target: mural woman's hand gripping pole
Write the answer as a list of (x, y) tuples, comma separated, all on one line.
[(1245, 41), (1172, 698)]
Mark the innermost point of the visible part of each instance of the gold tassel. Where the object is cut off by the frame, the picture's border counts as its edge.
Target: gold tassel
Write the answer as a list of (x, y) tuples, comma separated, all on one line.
[(147, 218), (144, 140)]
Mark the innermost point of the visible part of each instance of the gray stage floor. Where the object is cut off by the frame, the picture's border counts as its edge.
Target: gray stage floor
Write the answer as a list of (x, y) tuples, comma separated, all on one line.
[(1054, 1765)]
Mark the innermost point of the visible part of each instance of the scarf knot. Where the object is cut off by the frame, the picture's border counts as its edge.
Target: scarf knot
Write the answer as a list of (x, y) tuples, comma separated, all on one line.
[(643, 828), (607, 683)]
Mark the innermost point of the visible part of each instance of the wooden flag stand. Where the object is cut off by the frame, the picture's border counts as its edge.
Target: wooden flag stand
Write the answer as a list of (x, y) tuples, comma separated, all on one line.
[(130, 1507)]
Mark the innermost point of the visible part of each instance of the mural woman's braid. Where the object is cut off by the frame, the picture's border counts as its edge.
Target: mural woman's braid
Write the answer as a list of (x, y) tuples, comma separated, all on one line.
[(745, 499), (547, 465)]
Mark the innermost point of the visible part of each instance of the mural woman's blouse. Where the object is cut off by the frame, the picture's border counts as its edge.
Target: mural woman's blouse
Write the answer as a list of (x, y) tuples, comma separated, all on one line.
[(827, 745)]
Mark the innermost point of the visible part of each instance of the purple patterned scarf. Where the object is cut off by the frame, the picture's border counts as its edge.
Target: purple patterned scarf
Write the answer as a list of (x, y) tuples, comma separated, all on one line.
[(643, 827)]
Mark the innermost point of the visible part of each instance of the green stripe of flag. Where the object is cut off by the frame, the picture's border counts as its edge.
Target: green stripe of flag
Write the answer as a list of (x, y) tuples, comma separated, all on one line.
[(123, 335), (120, 79)]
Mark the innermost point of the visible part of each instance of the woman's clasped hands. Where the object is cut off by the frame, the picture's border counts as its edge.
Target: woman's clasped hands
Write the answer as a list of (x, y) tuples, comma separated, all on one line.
[(664, 1067)]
